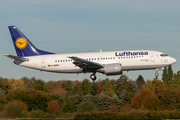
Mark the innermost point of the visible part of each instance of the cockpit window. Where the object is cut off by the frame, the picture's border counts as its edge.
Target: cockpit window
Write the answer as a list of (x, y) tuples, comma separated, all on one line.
[(163, 55)]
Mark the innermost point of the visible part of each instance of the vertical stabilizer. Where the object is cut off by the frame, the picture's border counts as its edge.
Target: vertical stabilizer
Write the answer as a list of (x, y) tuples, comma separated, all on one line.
[(22, 45)]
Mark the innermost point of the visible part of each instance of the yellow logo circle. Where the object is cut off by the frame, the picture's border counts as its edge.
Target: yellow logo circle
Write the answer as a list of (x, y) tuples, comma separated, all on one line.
[(21, 43)]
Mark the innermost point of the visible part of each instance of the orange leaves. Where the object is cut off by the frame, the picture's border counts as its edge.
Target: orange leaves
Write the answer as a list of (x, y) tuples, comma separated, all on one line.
[(145, 99), (113, 109), (99, 90), (16, 84), (21, 103), (53, 107)]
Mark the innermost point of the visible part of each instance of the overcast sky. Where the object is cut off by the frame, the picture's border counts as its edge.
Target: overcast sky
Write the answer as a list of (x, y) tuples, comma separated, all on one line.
[(73, 26)]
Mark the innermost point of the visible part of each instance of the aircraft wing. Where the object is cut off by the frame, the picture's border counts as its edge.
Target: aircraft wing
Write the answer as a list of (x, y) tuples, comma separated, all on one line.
[(16, 57), (82, 63)]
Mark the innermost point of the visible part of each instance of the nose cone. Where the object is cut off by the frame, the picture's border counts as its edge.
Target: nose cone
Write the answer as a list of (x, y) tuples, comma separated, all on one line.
[(173, 60)]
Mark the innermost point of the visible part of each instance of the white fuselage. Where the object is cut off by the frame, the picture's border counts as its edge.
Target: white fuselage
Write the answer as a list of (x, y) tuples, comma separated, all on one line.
[(129, 60)]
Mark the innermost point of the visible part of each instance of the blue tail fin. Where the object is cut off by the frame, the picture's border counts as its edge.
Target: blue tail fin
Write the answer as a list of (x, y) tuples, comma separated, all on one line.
[(22, 45)]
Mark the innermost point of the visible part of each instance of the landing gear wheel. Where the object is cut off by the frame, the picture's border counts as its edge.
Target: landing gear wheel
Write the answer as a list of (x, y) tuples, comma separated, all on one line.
[(93, 77), (156, 74)]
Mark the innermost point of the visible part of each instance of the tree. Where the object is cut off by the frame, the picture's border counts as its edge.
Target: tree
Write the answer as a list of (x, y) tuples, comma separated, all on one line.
[(94, 88), (57, 98), (68, 107), (40, 85), (165, 74), (35, 99), (140, 82), (86, 106), (53, 107), (170, 73), (176, 78), (154, 85), (169, 98), (137, 99), (53, 86), (66, 84), (110, 88), (4, 84), (85, 86), (99, 90), (29, 83), (126, 89), (13, 110)]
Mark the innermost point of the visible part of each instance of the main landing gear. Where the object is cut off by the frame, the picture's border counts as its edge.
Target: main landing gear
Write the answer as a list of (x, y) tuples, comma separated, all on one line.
[(93, 77)]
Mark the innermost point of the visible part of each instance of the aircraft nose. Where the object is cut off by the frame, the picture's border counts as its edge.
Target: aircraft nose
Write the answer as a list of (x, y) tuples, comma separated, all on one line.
[(173, 60)]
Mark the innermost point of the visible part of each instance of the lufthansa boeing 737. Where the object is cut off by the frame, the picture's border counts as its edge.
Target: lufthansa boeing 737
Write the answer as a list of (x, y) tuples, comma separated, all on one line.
[(108, 63)]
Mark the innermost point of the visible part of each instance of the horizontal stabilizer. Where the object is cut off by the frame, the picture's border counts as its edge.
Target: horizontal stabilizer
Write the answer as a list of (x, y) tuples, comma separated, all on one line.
[(17, 58)]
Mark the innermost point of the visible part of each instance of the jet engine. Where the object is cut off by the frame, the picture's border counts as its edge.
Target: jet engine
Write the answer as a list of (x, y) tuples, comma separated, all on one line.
[(111, 69)]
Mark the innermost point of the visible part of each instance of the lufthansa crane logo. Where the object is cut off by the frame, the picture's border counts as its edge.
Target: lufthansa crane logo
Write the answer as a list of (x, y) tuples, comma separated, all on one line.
[(21, 43)]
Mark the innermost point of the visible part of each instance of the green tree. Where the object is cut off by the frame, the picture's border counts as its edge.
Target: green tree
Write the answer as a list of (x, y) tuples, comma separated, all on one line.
[(68, 107), (76, 89), (110, 88), (126, 89), (35, 99), (94, 88), (13, 110), (165, 75), (176, 78), (85, 86), (76, 101), (4, 85), (140, 82), (86, 106), (170, 73), (40, 85), (67, 85)]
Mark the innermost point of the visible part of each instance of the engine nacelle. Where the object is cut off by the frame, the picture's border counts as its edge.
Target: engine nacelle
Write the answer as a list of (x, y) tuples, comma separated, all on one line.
[(111, 69)]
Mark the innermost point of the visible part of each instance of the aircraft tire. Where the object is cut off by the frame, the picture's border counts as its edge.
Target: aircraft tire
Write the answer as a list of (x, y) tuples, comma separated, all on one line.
[(93, 77), (156, 74)]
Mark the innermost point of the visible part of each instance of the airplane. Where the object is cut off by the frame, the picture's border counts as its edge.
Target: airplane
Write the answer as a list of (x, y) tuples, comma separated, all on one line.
[(108, 63)]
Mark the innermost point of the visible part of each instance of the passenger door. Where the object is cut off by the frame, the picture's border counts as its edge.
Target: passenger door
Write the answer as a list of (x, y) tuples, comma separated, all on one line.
[(152, 57), (43, 62)]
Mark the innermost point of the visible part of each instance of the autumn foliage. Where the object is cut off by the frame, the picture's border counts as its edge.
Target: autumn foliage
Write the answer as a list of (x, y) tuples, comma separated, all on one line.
[(99, 90), (53, 107), (35, 98), (140, 100)]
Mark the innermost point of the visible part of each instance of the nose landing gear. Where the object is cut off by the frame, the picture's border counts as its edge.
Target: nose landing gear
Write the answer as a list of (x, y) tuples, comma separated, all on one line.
[(93, 77), (156, 74)]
